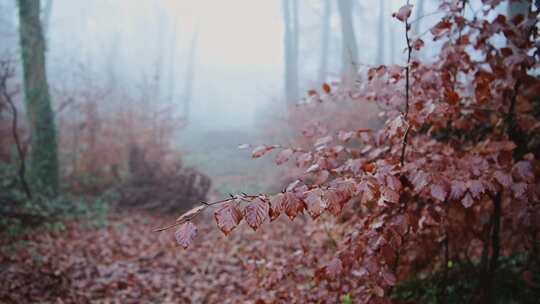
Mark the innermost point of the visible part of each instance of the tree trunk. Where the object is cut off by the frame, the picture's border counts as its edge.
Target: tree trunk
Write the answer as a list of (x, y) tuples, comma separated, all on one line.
[(290, 18), (43, 158), (188, 90), (350, 48), (418, 17), (380, 35), (325, 41)]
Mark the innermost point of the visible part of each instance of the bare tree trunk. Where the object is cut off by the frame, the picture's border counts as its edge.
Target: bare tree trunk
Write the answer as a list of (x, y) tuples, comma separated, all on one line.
[(325, 41), (392, 53), (172, 57), (350, 48), (44, 157), (190, 74), (418, 17), (290, 16), (380, 35)]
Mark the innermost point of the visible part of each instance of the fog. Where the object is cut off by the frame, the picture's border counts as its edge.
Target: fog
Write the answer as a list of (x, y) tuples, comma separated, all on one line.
[(210, 73), (238, 54)]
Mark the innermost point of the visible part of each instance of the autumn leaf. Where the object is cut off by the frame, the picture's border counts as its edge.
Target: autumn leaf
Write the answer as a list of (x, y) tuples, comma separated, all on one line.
[(185, 234), (314, 202), (284, 156), (467, 201), (438, 192), (326, 87), (261, 150), (276, 206), (403, 13), (292, 205), (256, 212), (228, 217)]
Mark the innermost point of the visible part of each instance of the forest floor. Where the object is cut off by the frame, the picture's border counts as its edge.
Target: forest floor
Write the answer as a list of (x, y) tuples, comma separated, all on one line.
[(125, 261)]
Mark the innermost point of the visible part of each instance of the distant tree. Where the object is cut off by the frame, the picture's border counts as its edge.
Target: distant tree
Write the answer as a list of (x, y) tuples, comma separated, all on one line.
[(380, 33), (349, 46), (325, 40), (188, 90), (419, 14), (43, 158), (290, 18)]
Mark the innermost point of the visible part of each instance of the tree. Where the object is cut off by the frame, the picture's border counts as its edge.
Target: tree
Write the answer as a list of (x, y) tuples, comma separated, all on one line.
[(43, 157), (446, 190), (380, 34), (349, 46), (188, 89), (419, 14), (290, 18), (325, 40)]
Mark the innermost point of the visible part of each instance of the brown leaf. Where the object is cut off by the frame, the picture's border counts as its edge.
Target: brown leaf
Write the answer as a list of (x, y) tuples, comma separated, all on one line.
[(438, 192), (326, 87), (256, 212), (185, 234), (467, 201), (276, 206), (404, 13), (314, 202), (228, 217), (284, 156), (292, 205)]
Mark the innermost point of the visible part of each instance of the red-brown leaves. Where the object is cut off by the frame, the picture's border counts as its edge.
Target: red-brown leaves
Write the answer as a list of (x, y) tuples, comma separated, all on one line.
[(326, 87), (228, 217), (292, 205), (284, 156), (256, 212), (261, 150), (276, 206), (404, 13), (330, 271), (314, 202), (185, 234)]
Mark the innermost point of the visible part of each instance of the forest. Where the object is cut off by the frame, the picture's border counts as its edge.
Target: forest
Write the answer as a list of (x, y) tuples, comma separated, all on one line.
[(270, 151)]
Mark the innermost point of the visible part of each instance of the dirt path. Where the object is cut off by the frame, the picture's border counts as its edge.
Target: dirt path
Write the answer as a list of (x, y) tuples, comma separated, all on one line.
[(126, 262)]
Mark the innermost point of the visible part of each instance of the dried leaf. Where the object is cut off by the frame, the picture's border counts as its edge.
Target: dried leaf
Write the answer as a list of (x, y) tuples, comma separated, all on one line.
[(185, 234), (228, 217), (256, 212)]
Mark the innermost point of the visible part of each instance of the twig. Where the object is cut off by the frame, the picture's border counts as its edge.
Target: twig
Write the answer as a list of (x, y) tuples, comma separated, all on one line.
[(6, 74), (407, 89)]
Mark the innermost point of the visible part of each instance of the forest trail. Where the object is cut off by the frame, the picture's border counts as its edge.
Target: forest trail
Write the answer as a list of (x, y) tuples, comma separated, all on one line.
[(125, 261)]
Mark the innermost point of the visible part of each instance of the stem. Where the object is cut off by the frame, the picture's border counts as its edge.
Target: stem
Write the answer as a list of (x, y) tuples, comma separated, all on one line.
[(407, 89)]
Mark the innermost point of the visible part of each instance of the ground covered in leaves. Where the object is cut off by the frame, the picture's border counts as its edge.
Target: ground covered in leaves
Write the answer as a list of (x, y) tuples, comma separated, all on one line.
[(125, 261)]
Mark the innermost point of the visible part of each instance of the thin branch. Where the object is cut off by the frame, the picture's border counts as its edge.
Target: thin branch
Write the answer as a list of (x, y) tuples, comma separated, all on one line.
[(407, 89), (7, 73)]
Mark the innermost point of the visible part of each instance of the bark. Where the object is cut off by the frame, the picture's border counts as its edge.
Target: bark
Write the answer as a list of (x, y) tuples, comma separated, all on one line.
[(325, 41), (43, 157), (349, 46), (290, 18)]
